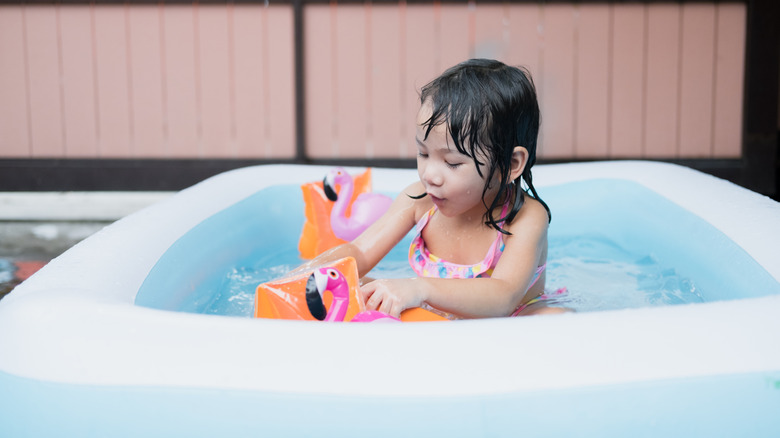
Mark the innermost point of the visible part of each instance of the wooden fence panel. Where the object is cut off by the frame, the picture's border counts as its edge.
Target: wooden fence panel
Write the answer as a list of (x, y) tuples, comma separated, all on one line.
[(453, 40), (618, 80), (320, 96), (729, 77), (489, 37), (213, 65), (146, 81), (14, 115), (78, 71), (351, 78), (420, 40), (180, 97), (614, 81), (115, 131), (250, 45), (627, 81), (525, 38), (386, 124), (696, 87), (591, 112), (45, 98), (663, 82), (557, 91), (278, 61)]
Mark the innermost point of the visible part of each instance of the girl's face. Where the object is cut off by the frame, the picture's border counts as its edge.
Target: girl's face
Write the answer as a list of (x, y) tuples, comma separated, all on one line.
[(450, 178)]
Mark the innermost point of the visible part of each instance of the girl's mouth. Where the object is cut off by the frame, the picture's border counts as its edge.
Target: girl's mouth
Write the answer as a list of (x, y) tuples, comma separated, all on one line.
[(436, 200)]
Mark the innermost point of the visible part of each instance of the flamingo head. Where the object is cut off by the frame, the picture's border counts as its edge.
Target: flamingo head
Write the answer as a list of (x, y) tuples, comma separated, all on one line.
[(322, 280), (337, 176)]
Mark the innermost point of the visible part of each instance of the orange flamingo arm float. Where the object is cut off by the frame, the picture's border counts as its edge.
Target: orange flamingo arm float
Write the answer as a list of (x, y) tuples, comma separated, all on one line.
[(339, 297)]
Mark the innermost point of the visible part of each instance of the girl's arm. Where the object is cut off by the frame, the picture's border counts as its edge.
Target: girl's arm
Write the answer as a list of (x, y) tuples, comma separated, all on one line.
[(499, 295), (378, 239)]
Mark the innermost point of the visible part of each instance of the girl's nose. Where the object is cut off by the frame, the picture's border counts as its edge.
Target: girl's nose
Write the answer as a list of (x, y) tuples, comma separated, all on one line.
[(431, 176)]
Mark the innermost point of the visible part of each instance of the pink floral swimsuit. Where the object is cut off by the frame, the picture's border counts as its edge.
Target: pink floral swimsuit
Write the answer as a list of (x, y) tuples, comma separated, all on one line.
[(426, 264)]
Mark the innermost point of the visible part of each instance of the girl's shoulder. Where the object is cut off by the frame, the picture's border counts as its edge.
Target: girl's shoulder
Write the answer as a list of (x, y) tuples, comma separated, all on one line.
[(532, 215)]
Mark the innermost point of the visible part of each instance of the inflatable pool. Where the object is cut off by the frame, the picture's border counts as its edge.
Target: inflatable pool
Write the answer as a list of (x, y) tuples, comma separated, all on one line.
[(113, 338)]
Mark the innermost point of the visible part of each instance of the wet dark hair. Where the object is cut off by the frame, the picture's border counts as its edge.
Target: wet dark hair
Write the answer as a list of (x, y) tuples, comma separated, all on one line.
[(489, 108)]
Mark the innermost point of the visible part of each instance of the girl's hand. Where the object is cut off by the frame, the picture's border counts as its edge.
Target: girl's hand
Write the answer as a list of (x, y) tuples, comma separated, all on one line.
[(393, 296)]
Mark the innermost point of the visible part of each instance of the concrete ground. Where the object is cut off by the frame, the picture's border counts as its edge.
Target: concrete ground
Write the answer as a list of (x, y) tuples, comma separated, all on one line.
[(37, 227)]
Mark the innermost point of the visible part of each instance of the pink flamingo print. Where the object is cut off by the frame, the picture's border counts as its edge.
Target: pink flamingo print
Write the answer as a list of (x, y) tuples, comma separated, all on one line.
[(366, 209), (331, 279)]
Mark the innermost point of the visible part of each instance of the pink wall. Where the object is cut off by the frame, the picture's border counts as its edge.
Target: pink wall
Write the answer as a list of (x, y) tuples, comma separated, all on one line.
[(624, 80)]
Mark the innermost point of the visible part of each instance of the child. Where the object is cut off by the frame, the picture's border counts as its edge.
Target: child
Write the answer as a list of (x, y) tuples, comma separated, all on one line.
[(481, 244)]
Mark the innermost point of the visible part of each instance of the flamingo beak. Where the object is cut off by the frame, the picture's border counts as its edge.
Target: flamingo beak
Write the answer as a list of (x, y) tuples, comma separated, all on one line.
[(315, 287), (330, 188)]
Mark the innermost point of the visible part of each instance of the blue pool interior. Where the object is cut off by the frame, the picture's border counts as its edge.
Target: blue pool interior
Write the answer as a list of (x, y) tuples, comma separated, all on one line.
[(612, 243)]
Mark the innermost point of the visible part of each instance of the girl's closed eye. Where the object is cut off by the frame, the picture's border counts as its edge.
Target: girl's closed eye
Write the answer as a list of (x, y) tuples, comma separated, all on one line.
[(452, 165)]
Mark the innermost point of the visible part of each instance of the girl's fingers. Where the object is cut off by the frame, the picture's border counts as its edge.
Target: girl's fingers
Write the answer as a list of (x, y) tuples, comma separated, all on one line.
[(366, 292), (378, 297), (395, 311), (373, 300), (386, 307)]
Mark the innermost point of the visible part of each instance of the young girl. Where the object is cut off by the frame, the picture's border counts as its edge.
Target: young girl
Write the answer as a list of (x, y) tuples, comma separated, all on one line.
[(481, 243)]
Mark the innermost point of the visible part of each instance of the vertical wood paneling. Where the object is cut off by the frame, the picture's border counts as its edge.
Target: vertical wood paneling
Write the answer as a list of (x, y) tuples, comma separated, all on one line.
[(627, 77), (181, 96), (451, 39), (252, 115), (214, 63), (350, 81), (320, 111), (385, 71), (697, 76), (622, 80), (490, 32), (730, 44), (14, 122), (113, 91), (592, 81), (663, 87), (420, 64), (146, 81), (78, 82), (45, 91), (280, 84), (557, 99), (524, 39)]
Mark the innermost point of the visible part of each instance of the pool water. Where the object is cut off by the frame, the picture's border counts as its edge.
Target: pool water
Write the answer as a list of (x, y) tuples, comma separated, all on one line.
[(613, 244), (598, 274)]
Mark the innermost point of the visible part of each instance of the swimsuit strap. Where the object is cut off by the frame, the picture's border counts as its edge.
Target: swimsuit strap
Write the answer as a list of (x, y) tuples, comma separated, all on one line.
[(537, 274), (543, 297), (426, 264)]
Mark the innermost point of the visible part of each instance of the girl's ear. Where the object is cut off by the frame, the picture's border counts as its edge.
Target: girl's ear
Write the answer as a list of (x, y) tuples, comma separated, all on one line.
[(519, 160)]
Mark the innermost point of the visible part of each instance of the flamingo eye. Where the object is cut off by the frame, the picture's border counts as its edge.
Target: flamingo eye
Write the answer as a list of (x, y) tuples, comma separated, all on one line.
[(332, 273)]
